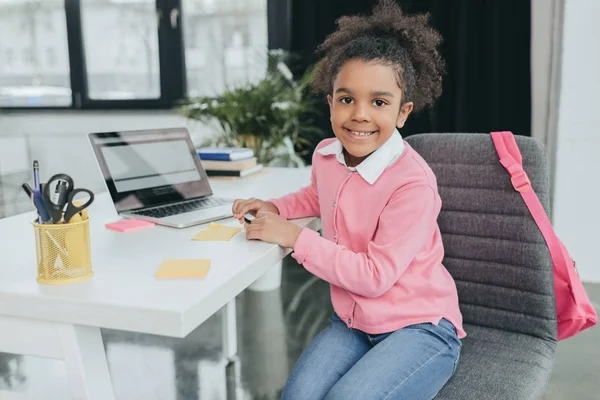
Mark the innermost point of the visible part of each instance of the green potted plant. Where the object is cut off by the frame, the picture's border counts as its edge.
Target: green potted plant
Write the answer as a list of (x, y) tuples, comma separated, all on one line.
[(270, 116)]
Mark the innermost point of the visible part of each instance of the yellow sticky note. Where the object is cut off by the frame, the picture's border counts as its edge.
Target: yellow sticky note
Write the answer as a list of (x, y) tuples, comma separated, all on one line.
[(183, 269), (217, 233)]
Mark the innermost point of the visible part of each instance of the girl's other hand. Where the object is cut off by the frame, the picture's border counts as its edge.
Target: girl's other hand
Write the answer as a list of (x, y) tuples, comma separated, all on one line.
[(271, 228), (252, 206)]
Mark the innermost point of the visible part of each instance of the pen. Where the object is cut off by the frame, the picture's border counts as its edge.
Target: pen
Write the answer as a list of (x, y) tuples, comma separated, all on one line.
[(36, 187), (38, 202), (36, 175)]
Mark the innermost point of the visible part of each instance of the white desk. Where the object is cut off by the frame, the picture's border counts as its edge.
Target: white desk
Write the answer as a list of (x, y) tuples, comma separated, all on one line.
[(63, 322)]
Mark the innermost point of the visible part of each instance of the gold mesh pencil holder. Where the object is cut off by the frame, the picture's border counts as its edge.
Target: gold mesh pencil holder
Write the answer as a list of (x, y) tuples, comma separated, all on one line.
[(63, 252)]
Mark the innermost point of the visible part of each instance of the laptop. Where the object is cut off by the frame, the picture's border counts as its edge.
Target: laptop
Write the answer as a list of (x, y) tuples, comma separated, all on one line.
[(156, 175)]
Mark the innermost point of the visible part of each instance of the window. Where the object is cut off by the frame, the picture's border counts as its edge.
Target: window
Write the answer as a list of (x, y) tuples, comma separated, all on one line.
[(51, 57), (10, 59), (101, 54), (225, 43), (49, 24), (25, 77), (28, 61), (128, 53), (133, 25)]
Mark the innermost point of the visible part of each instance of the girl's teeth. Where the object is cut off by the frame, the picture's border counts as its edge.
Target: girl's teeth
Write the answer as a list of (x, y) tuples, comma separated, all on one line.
[(362, 133)]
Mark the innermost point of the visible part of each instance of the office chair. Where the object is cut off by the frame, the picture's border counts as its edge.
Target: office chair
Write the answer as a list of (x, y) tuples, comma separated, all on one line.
[(501, 265)]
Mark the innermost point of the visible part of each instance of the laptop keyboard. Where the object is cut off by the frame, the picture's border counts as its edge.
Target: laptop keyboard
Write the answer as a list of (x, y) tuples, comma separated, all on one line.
[(180, 208)]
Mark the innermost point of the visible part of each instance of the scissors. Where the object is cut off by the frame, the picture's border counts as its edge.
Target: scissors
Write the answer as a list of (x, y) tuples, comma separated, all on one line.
[(59, 192)]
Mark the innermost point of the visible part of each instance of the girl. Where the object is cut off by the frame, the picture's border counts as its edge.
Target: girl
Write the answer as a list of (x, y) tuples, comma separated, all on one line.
[(396, 329)]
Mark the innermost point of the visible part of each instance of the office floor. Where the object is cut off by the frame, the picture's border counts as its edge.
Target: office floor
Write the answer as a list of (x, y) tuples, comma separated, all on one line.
[(274, 328)]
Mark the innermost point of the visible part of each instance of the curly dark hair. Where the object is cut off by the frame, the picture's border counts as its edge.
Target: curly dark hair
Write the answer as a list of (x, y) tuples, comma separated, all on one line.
[(404, 42)]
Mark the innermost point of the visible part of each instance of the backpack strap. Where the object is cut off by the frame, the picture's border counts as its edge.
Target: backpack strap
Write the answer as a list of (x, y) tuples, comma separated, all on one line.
[(512, 161)]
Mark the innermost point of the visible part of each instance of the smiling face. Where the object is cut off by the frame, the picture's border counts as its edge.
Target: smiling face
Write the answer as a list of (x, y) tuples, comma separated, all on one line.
[(365, 108)]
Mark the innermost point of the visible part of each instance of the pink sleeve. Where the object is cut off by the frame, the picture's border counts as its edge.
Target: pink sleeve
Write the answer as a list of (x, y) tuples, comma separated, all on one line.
[(300, 204), (406, 225)]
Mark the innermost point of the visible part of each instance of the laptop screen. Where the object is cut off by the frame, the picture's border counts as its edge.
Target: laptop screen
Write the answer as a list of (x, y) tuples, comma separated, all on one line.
[(149, 168)]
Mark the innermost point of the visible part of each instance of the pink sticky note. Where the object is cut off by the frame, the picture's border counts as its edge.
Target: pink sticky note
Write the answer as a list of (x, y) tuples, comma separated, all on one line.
[(128, 225)]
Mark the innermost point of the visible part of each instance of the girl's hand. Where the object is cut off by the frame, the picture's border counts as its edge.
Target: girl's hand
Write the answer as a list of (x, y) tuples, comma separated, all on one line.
[(271, 228), (252, 206)]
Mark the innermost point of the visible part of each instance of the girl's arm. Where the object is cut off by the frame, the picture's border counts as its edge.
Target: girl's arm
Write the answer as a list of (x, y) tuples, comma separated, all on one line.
[(300, 204), (406, 225)]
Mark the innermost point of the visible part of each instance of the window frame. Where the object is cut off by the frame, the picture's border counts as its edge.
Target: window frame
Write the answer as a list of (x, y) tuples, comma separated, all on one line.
[(173, 84)]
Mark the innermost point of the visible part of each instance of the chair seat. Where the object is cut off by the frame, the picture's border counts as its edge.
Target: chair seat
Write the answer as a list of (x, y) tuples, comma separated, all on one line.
[(497, 364)]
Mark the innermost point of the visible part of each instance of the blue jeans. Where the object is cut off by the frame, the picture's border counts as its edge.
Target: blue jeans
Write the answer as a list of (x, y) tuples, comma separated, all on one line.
[(413, 363)]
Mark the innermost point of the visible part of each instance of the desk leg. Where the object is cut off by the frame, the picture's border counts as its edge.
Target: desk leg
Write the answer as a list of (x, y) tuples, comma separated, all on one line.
[(80, 347), (229, 329), (85, 360), (270, 280), (230, 350)]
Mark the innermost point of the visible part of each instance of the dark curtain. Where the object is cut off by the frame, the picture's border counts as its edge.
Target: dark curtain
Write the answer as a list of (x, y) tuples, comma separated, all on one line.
[(486, 47)]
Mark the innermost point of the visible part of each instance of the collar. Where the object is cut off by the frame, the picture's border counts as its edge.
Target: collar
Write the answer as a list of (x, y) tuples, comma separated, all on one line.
[(373, 166)]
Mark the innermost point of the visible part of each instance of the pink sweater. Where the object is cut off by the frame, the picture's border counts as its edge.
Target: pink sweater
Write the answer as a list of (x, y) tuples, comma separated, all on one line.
[(381, 249)]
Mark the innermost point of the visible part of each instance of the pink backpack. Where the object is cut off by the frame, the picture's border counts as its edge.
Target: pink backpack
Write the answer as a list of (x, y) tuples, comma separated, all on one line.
[(574, 310)]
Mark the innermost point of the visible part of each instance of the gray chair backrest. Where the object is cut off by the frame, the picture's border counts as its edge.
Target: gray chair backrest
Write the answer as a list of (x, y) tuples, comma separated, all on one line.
[(493, 248)]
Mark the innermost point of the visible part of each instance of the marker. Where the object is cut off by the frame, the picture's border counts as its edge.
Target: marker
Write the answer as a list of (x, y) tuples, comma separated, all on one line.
[(28, 190), (248, 218)]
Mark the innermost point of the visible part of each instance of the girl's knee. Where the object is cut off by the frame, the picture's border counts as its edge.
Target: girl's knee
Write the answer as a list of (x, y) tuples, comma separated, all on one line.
[(306, 385), (344, 390)]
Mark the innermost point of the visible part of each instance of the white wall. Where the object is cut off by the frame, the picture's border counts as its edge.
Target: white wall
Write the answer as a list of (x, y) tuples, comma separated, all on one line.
[(577, 180), (541, 49), (546, 52)]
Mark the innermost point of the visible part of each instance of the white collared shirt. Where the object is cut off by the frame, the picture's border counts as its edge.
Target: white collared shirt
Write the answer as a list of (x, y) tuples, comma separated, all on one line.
[(373, 166)]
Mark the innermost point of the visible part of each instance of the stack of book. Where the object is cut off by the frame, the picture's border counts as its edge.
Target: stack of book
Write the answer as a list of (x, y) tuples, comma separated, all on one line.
[(228, 161)]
